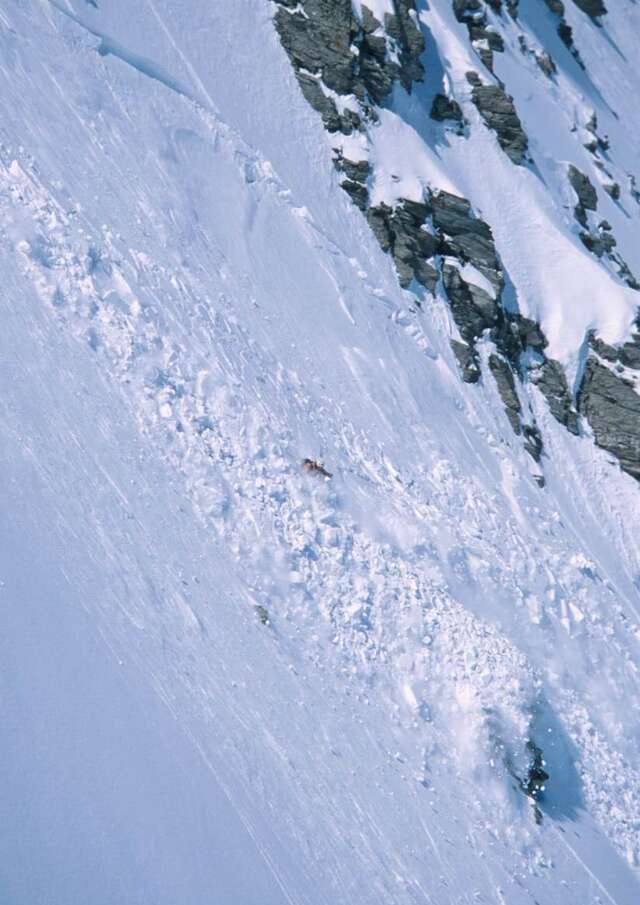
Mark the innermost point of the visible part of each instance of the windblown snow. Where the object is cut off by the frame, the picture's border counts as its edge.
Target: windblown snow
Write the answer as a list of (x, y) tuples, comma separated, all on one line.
[(191, 306)]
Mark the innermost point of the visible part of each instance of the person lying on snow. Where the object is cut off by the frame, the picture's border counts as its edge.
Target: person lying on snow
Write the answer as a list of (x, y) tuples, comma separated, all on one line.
[(314, 467)]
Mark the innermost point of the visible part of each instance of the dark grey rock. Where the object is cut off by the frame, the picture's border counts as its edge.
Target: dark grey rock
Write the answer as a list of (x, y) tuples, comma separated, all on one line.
[(581, 184), (404, 29), (546, 63), (552, 383), (499, 114), (529, 332), (474, 311), (346, 122), (357, 170), (317, 35), (505, 382), (325, 40), (533, 445), (593, 8), (593, 243), (564, 29), (465, 236), (402, 231), (467, 359), (444, 108), (262, 613), (627, 354), (357, 192), (484, 39), (612, 407), (612, 189)]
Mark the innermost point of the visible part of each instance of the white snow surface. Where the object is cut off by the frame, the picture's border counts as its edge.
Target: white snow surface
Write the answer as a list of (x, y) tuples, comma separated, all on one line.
[(190, 306)]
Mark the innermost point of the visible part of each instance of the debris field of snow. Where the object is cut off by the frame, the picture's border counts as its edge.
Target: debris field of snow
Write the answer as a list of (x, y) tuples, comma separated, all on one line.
[(191, 306)]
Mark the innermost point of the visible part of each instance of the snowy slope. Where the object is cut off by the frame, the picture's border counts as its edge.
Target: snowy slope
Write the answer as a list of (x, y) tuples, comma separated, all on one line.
[(191, 305)]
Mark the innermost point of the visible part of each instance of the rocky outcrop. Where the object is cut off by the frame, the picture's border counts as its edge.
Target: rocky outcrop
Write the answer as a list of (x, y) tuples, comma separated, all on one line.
[(505, 382), (565, 32), (467, 359), (346, 66), (552, 383), (403, 231), (593, 8), (465, 236), (598, 239), (331, 49), (611, 405), (474, 311), (346, 121), (587, 196), (498, 111), (484, 39), (356, 174), (444, 108), (405, 31)]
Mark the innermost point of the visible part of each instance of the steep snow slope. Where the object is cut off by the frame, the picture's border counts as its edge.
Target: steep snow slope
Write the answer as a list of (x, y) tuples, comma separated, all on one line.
[(193, 306)]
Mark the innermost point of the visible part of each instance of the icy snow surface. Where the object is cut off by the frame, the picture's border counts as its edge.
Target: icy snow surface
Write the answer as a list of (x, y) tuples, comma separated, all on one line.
[(190, 306)]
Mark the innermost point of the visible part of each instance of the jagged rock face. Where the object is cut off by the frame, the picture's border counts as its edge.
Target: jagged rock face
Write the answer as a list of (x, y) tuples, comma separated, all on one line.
[(552, 382), (317, 35), (467, 361), (346, 121), (444, 108), (483, 38), (611, 405), (407, 35), (465, 236), (401, 231), (432, 239), (498, 111), (599, 240), (581, 184), (329, 47), (507, 388), (565, 32), (474, 311), (593, 8)]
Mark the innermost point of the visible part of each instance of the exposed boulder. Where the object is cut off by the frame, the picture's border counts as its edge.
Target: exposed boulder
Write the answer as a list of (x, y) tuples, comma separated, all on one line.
[(551, 380), (503, 376), (587, 195), (474, 311), (328, 46), (484, 39), (612, 189), (347, 121), (534, 445), (611, 405), (565, 32), (466, 236), (357, 192), (467, 359), (356, 173), (317, 35), (403, 27), (358, 170), (593, 8), (444, 108), (403, 232), (498, 111), (505, 382)]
